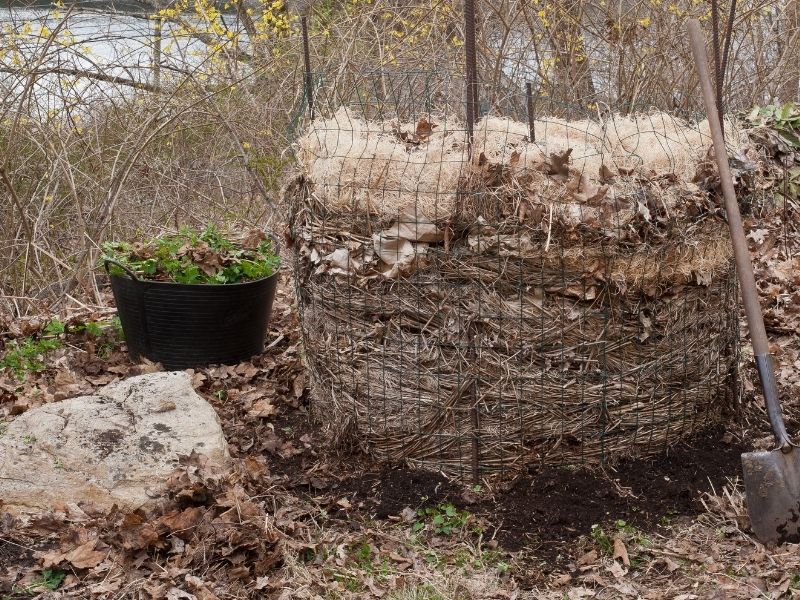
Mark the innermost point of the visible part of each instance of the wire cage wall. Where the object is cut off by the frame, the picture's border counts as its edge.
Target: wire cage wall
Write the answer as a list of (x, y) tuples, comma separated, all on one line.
[(557, 290)]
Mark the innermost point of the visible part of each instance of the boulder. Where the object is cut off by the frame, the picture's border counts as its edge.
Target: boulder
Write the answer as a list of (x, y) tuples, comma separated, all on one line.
[(114, 447)]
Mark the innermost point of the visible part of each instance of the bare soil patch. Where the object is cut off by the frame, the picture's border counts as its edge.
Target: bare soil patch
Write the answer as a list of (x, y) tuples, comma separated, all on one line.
[(544, 511)]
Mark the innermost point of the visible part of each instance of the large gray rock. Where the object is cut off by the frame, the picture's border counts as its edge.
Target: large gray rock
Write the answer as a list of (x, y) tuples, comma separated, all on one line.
[(115, 447)]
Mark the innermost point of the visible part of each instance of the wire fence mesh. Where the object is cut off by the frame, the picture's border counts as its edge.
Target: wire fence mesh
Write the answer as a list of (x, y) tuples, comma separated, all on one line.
[(479, 306)]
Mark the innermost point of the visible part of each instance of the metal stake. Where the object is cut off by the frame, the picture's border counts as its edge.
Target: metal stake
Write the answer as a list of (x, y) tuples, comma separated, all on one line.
[(157, 54), (727, 41), (531, 113), (472, 116), (718, 75), (471, 68), (309, 83)]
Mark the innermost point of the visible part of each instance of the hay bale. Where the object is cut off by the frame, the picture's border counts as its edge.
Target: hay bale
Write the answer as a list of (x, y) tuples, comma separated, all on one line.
[(368, 167), (661, 143), (551, 318), (499, 138), (390, 169)]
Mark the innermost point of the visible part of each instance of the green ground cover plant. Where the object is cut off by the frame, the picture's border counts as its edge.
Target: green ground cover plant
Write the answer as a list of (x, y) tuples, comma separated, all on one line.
[(27, 354), (444, 519), (783, 118)]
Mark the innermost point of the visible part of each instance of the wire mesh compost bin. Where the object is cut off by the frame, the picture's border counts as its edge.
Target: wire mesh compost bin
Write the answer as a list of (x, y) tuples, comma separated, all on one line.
[(477, 308)]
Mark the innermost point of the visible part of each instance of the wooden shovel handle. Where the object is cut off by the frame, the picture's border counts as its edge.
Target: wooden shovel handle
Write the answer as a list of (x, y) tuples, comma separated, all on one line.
[(744, 268)]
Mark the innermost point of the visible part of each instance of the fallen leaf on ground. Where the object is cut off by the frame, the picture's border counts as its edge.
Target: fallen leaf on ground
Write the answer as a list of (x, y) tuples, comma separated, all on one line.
[(621, 552), (588, 558)]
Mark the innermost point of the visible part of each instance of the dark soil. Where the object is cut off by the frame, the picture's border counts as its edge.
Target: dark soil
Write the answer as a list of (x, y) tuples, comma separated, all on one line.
[(16, 552), (553, 506), (12, 553), (387, 493), (544, 511)]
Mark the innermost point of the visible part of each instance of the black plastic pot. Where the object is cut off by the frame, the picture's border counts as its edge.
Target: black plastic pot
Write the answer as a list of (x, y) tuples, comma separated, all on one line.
[(191, 325)]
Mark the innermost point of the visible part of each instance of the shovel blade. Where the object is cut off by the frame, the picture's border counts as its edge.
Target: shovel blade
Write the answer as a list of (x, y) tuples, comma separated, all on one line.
[(772, 486)]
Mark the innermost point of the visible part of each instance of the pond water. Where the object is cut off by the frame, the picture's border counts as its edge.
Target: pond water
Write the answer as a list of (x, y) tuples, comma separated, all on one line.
[(112, 39)]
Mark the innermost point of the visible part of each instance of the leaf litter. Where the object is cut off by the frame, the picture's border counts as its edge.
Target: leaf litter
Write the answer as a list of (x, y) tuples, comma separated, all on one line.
[(300, 517)]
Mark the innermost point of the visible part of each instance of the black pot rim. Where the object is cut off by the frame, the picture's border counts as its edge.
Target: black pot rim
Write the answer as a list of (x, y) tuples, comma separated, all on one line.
[(197, 285)]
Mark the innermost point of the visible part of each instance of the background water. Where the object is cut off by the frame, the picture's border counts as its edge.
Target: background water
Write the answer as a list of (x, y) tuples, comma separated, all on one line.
[(112, 38)]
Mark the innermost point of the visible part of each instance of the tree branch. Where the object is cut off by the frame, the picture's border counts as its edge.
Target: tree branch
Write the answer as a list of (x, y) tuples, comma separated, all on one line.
[(141, 85)]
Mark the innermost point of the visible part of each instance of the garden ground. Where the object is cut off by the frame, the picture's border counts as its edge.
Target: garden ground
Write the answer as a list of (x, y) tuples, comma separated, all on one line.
[(302, 517)]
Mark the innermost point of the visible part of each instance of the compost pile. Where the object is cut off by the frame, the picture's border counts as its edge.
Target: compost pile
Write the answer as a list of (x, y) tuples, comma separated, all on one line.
[(476, 310)]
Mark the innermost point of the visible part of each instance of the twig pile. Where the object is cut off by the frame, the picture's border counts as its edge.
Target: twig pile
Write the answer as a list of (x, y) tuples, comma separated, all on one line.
[(523, 311)]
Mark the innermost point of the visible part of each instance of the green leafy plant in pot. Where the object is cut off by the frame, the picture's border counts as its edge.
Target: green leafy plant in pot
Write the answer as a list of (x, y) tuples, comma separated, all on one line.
[(189, 299)]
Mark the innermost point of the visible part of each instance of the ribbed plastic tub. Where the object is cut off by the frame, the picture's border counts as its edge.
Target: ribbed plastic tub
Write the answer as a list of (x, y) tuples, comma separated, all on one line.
[(184, 326)]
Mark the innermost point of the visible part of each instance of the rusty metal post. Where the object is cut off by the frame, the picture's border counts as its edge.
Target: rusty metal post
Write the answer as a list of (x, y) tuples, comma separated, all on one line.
[(157, 35), (309, 80), (717, 59), (475, 425), (471, 68), (726, 45), (531, 113)]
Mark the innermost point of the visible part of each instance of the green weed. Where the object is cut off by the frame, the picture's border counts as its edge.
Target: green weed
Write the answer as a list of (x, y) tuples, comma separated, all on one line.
[(50, 579), (117, 325), (463, 558), (604, 541), (363, 555), (784, 120), (667, 519), (434, 559), (444, 519), (632, 532), (350, 582), (27, 355), (623, 526), (91, 328), (54, 327), (191, 257), (364, 560), (491, 558), (105, 334)]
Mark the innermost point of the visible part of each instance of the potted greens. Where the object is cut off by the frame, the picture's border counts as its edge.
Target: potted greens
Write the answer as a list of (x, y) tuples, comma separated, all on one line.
[(191, 298)]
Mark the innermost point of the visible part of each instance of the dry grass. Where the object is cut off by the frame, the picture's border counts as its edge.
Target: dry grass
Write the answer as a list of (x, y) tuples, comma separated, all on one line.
[(90, 151)]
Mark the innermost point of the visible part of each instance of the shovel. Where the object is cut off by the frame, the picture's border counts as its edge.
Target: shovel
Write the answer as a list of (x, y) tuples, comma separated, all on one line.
[(771, 479)]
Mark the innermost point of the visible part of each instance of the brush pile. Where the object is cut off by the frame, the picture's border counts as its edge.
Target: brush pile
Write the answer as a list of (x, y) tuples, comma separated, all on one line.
[(477, 310)]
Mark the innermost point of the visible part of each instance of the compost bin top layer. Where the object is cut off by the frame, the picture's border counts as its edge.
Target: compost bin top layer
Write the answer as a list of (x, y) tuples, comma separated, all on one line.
[(599, 174)]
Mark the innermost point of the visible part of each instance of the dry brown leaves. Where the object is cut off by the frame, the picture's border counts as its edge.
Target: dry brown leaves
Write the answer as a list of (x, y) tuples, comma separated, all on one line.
[(275, 527), (213, 536), (773, 232), (421, 133), (209, 526)]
